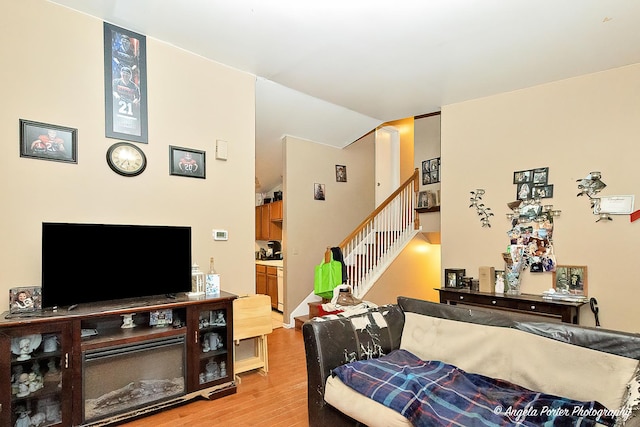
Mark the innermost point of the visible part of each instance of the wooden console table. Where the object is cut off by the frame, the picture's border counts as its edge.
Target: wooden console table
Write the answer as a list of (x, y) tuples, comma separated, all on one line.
[(567, 312)]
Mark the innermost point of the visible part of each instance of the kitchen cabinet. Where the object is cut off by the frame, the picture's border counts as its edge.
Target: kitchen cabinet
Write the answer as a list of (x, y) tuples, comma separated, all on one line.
[(272, 285), (261, 279), (275, 210), (267, 282), (269, 221)]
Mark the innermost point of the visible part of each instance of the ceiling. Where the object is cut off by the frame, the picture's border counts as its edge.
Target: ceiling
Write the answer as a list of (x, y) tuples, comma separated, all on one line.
[(330, 71)]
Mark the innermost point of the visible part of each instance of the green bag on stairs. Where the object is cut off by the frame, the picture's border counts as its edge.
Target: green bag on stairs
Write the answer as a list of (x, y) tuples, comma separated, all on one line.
[(327, 276)]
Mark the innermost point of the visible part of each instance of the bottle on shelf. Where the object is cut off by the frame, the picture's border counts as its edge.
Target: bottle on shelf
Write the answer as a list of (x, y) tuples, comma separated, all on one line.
[(212, 281)]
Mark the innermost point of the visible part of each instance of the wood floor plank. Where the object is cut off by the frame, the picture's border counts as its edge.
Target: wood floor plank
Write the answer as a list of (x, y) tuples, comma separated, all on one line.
[(277, 399)]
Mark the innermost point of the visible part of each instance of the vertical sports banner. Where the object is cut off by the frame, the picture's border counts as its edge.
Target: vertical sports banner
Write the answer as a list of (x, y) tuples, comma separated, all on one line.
[(125, 84)]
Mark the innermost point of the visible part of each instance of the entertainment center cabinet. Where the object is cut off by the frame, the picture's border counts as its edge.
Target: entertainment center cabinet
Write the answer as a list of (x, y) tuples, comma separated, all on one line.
[(102, 363)]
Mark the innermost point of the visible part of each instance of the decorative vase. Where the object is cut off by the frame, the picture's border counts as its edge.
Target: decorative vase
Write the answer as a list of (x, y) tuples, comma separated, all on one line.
[(513, 282)]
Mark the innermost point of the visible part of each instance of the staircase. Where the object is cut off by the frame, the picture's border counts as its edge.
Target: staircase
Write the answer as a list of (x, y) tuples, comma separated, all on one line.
[(370, 249)]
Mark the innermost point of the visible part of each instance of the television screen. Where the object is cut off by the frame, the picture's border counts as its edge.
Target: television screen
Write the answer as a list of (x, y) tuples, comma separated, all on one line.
[(84, 263)]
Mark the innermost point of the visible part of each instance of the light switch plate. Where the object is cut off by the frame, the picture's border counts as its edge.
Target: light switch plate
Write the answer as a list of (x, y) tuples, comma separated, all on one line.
[(221, 150)]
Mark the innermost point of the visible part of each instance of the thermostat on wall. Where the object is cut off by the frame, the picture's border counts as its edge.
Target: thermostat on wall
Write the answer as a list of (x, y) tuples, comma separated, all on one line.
[(220, 235)]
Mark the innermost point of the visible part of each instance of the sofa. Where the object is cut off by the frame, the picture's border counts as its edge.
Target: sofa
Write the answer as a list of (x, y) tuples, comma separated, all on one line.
[(578, 364)]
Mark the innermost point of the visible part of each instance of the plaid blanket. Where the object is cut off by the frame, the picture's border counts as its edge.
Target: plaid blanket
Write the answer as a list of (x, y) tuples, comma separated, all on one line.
[(432, 393)]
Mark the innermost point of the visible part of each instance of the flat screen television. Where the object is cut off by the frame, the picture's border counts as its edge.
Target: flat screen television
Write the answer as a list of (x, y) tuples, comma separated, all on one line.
[(85, 263)]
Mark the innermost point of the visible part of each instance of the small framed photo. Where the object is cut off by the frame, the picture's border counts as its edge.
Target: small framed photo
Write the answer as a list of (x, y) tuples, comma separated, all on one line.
[(186, 162), (25, 299), (48, 142), (341, 173), (571, 279), (524, 191), (522, 176), (453, 277), (318, 191), (161, 318), (423, 201), (542, 191), (540, 176)]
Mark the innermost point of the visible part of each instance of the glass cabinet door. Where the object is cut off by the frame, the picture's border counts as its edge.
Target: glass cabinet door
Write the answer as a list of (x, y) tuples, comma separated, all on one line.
[(39, 386), (211, 358)]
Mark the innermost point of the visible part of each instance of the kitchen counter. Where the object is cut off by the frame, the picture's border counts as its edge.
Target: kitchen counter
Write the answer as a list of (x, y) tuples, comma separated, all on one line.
[(271, 262)]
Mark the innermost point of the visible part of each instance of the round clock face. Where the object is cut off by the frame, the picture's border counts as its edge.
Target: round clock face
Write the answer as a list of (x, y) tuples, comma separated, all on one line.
[(126, 159)]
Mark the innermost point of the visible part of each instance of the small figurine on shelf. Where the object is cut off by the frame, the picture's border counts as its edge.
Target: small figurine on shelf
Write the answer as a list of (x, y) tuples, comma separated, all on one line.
[(23, 417), (35, 382), (38, 419), (25, 345), (127, 321), (205, 346), (223, 369), (53, 374), (23, 385), (219, 319)]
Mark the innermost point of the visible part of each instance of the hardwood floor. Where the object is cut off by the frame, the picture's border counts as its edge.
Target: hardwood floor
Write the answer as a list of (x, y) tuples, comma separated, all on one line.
[(277, 399)]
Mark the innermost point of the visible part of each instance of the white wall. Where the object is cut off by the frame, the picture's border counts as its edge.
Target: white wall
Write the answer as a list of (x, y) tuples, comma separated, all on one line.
[(53, 73), (574, 126)]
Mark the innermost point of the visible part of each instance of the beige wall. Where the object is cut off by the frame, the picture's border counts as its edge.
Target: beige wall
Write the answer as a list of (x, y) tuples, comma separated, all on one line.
[(574, 126), (57, 77), (310, 226), (415, 273)]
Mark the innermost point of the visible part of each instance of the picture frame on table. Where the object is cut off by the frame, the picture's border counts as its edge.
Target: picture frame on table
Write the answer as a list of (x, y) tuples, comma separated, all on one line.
[(453, 277), (125, 84), (160, 318), (25, 299), (45, 141), (571, 279), (187, 162)]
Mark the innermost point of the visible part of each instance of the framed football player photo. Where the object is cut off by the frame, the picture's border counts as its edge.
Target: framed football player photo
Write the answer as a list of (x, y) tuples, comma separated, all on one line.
[(186, 162), (48, 142), (125, 84)]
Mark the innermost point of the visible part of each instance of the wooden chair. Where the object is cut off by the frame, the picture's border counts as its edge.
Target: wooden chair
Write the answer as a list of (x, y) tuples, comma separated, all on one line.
[(252, 320)]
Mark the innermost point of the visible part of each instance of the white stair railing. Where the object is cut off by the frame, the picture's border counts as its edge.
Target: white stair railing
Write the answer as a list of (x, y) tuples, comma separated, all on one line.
[(373, 245)]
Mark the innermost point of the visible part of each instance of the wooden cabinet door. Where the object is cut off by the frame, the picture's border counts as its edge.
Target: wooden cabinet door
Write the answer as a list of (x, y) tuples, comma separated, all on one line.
[(275, 213), (210, 346), (46, 359), (261, 279), (258, 222), (265, 222), (272, 285)]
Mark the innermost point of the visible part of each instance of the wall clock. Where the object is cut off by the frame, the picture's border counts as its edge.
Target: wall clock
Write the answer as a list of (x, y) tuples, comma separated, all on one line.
[(126, 159)]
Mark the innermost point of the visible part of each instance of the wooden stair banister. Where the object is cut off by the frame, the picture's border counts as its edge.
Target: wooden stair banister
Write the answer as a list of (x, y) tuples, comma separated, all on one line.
[(371, 246), (413, 179)]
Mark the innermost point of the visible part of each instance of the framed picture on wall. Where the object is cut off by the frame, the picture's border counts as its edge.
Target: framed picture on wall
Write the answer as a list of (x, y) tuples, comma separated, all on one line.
[(540, 176), (542, 191), (48, 142), (318, 191), (341, 173), (125, 84), (522, 176), (186, 162)]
